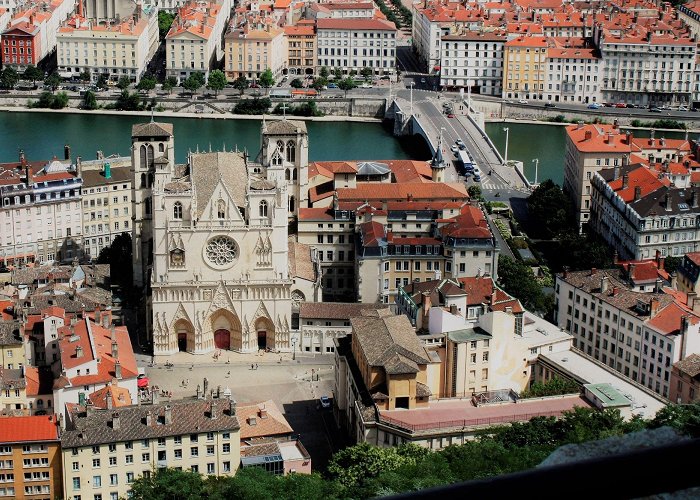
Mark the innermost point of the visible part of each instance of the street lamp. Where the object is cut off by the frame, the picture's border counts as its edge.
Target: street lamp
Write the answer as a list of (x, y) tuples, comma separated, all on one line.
[(507, 131), (536, 161), (294, 348), (412, 84)]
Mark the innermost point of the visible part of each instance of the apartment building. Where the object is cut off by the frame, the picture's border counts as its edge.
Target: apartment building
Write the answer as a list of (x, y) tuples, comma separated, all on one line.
[(688, 273), (301, 49), (685, 380), (641, 212), (639, 334), (5, 16), (524, 67), (108, 48), (573, 75), (31, 34), (194, 42), (106, 197), (353, 44), (689, 14), (470, 248), (40, 216), (342, 10), (250, 52), (30, 458), (473, 59), (104, 451), (12, 353)]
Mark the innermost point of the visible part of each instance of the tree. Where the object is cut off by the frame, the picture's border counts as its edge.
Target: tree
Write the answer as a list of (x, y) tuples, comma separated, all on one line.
[(266, 79), (168, 484), (169, 84), (128, 101), (671, 264), (338, 73), (582, 251), (241, 83), (553, 387), (53, 81), (165, 20), (9, 78), (347, 84), (367, 73), (474, 191), (297, 83), (146, 84), (324, 73), (683, 418), (101, 81), (89, 100), (517, 279), (85, 76), (217, 81), (550, 210), (192, 83), (254, 106), (33, 73), (124, 82), (319, 83)]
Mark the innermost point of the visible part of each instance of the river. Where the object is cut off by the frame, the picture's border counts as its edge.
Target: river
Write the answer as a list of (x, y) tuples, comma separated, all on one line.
[(43, 135)]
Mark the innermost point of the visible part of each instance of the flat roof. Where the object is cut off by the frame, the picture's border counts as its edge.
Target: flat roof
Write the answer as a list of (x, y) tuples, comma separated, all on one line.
[(468, 334), (608, 396), (644, 402)]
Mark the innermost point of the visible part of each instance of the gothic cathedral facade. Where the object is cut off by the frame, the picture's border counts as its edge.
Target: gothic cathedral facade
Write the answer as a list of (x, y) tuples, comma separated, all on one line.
[(210, 239)]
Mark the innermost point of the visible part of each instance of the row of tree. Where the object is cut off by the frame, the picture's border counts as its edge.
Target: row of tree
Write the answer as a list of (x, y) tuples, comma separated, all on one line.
[(365, 471)]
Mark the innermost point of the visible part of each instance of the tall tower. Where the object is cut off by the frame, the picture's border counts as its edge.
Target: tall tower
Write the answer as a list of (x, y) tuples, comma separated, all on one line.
[(285, 156), (152, 155), (437, 164)]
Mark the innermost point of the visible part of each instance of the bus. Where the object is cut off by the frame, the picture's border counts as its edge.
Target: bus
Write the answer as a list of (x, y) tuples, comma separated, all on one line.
[(304, 93), (465, 160)]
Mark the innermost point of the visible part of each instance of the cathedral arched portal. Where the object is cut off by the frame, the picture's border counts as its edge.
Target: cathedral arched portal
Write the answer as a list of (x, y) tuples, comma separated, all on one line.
[(265, 332), (184, 332), (227, 330)]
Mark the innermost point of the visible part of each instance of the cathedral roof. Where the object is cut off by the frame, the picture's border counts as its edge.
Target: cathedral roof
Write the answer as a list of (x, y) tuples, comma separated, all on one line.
[(285, 127), (152, 129), (262, 184), (207, 168)]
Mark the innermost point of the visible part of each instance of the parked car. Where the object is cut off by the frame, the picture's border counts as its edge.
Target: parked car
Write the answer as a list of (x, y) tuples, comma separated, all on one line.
[(332, 85), (451, 115), (522, 101), (460, 143), (594, 105), (621, 105), (476, 177), (454, 149), (682, 108), (608, 104), (655, 110), (550, 105), (630, 105), (325, 402), (254, 86)]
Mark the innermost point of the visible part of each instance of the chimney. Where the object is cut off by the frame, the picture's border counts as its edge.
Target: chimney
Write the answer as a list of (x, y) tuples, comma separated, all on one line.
[(206, 387), (232, 407), (168, 414), (262, 412), (607, 138), (149, 418), (154, 397), (252, 421), (625, 180), (108, 399), (116, 425), (66, 152), (657, 285), (616, 124), (667, 201), (674, 280), (694, 198), (118, 369), (453, 309), (629, 137), (78, 351), (653, 307), (588, 135), (213, 411), (616, 172), (637, 193), (603, 284), (692, 299), (565, 272), (22, 158), (615, 290), (98, 315), (115, 349)]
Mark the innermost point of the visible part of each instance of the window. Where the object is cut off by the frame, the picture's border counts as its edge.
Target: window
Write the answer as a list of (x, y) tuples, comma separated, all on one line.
[(145, 457), (194, 451), (485, 356), (221, 209), (226, 448), (129, 459), (76, 483), (177, 211), (129, 477), (210, 468), (262, 208), (113, 480), (96, 481), (210, 451), (112, 461), (95, 463)]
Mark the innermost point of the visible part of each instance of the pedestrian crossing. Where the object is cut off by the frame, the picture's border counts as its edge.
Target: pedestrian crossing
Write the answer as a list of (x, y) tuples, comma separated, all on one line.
[(491, 183)]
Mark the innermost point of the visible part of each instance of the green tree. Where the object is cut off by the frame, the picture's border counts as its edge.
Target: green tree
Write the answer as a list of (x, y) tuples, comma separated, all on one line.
[(254, 106), (217, 81), (89, 100), (192, 83), (367, 73), (474, 191), (319, 83), (124, 82), (324, 73), (59, 101), (347, 84), (169, 84), (552, 387), (101, 81), (517, 279), (583, 251), (33, 73), (338, 73), (297, 83), (671, 264), (550, 211), (168, 484), (241, 83), (146, 84), (85, 76), (266, 79), (128, 101), (165, 20), (685, 418), (9, 78), (53, 81)]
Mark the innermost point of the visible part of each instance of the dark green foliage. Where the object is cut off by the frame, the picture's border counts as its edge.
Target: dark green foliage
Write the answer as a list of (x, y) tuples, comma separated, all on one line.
[(337, 73), (296, 83), (552, 387), (53, 81), (146, 84), (517, 279), (550, 210), (367, 73), (671, 264), (266, 79), (165, 20), (49, 100), (662, 123), (193, 82), (89, 100), (85, 76), (169, 84), (324, 73), (584, 251), (128, 101), (168, 484), (217, 81), (32, 73), (101, 82), (241, 83), (123, 82), (474, 191), (9, 78), (684, 418), (304, 109), (347, 84), (319, 83), (255, 106)]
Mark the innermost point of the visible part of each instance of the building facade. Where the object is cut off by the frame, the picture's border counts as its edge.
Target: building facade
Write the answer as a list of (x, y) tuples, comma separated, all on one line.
[(573, 75), (250, 52), (301, 49), (524, 67), (473, 59)]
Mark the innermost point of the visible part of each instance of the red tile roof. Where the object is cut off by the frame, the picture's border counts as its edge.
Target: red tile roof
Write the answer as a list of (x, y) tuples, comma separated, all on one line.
[(120, 396), (356, 24), (434, 191), (28, 429), (668, 320), (478, 289), (371, 232), (640, 177), (470, 224)]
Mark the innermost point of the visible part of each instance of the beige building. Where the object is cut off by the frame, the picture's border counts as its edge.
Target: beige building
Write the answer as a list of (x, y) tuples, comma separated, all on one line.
[(104, 451), (249, 52), (301, 49), (13, 391), (320, 323), (107, 48), (106, 196), (524, 67), (12, 351)]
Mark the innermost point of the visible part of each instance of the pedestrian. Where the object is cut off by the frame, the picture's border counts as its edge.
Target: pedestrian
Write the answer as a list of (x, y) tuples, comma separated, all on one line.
[(256, 366), (280, 359), (228, 374), (252, 366)]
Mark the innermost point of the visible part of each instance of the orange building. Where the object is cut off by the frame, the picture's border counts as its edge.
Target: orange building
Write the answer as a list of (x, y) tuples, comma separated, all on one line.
[(30, 458)]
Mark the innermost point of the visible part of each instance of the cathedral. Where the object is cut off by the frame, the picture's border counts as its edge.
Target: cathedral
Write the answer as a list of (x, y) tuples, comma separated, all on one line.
[(210, 239)]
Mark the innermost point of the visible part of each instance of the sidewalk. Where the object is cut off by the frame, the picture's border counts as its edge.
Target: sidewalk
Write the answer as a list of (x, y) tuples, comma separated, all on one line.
[(230, 358)]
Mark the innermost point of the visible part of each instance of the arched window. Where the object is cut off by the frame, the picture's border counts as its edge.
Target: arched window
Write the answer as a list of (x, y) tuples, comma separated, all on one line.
[(292, 203), (294, 174), (263, 208), (150, 179), (280, 146), (150, 156), (277, 159), (142, 157), (143, 181), (221, 209), (291, 151), (177, 210), (286, 175), (161, 147), (148, 206)]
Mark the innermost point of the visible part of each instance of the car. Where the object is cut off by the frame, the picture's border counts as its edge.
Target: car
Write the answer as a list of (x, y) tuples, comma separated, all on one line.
[(451, 115), (550, 105), (630, 105), (284, 78), (366, 86), (476, 171), (621, 105), (693, 110), (608, 104), (454, 149), (459, 143), (655, 110), (332, 85), (664, 107), (325, 402), (476, 177), (594, 105), (254, 86), (522, 101), (422, 80), (682, 108)]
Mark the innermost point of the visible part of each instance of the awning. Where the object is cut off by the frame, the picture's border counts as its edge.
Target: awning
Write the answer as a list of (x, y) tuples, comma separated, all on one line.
[(436, 68), (142, 382)]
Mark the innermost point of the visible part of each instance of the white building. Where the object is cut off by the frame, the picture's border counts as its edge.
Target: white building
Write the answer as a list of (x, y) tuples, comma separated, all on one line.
[(353, 44), (109, 48), (639, 334), (473, 59), (572, 75)]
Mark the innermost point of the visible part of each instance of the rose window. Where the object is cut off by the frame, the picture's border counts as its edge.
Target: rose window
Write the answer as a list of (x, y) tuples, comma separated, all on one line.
[(221, 251)]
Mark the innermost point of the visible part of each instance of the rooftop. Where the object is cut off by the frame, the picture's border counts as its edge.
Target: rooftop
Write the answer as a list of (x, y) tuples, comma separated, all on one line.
[(28, 429)]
